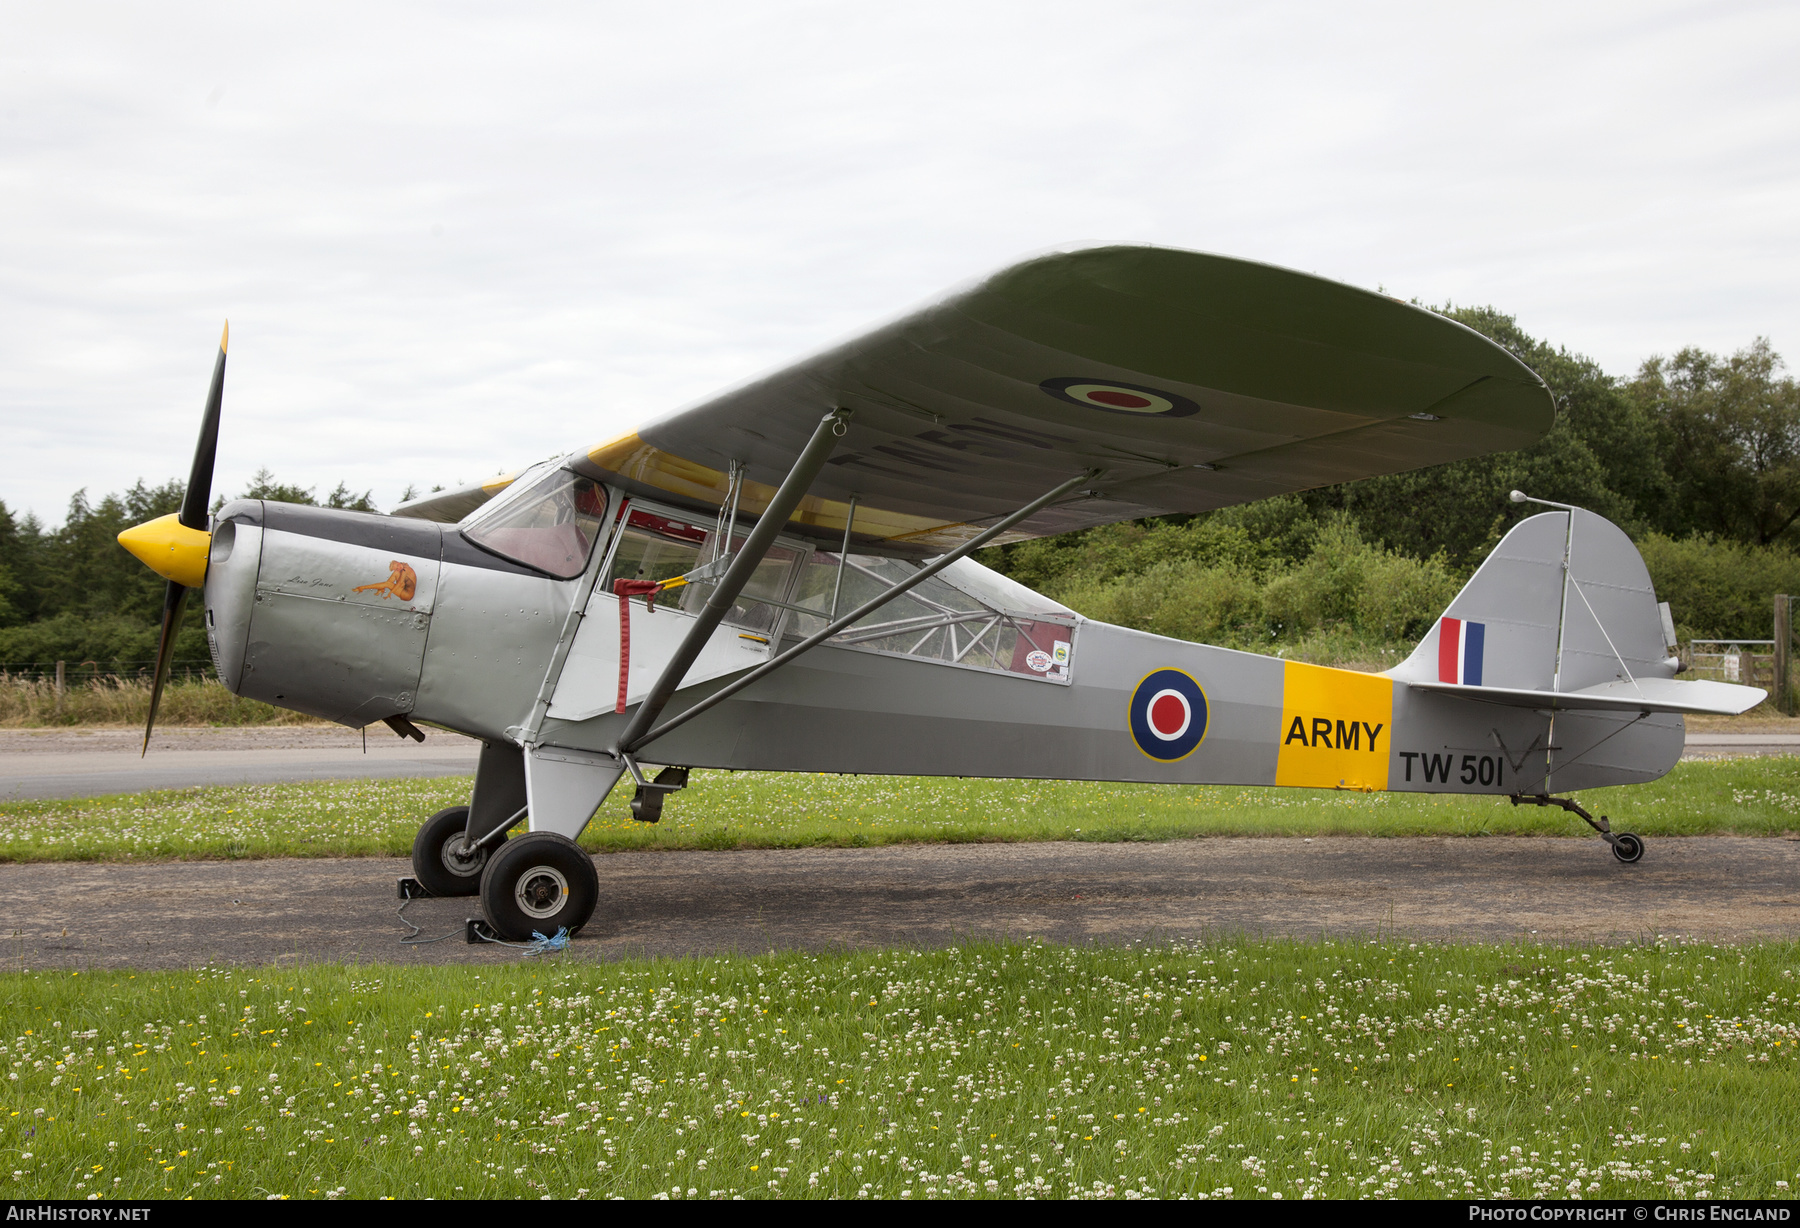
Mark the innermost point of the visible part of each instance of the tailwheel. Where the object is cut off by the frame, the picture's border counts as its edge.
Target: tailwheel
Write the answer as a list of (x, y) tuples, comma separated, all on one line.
[(538, 883), (1625, 846), (442, 859)]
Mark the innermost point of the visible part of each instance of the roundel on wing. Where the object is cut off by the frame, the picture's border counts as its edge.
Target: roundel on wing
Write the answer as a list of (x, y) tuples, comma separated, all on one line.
[(1168, 715), (1115, 398)]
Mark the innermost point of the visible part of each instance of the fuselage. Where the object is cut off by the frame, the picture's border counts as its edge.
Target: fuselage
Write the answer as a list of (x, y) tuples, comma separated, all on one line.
[(355, 618)]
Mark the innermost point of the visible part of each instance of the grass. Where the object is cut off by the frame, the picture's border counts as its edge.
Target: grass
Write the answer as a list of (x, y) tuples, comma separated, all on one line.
[(722, 810), (28, 703), (1227, 1069)]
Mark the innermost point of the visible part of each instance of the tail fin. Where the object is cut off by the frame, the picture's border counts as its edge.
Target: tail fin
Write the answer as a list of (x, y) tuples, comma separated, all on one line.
[(1521, 633), (1503, 628)]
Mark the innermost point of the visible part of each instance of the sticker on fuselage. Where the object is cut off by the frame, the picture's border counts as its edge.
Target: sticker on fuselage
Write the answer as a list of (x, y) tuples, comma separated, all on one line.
[(1168, 715), (1135, 399)]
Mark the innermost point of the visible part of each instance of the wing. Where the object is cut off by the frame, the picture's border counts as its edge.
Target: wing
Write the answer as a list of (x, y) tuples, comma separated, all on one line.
[(1188, 381), (450, 506)]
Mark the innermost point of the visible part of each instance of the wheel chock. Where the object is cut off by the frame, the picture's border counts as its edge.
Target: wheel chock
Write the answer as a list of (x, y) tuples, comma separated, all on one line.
[(475, 930), (410, 889)]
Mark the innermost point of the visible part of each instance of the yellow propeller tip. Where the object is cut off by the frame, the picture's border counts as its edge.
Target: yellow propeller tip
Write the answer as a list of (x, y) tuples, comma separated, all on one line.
[(225, 336)]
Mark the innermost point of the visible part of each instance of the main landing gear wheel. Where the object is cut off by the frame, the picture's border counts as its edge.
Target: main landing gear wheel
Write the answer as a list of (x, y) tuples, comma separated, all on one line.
[(542, 882), (442, 860), (1627, 847)]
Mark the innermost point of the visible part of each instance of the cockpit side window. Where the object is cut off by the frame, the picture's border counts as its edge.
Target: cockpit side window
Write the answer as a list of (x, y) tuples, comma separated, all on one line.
[(653, 547), (657, 547), (551, 525)]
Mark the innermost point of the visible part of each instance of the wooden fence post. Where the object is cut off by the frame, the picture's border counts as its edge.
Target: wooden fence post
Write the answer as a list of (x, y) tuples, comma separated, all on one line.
[(1784, 693), (59, 688)]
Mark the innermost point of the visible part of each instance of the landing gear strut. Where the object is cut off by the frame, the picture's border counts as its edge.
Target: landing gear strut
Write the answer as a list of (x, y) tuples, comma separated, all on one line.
[(1625, 846)]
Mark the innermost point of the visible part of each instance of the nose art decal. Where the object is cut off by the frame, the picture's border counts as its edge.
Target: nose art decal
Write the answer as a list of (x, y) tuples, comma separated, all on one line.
[(402, 582)]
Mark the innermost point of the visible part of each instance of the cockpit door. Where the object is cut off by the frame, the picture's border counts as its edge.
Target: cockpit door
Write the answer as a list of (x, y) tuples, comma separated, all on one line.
[(659, 544)]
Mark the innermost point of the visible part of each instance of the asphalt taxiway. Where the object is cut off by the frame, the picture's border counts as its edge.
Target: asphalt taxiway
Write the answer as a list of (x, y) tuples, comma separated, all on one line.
[(84, 915)]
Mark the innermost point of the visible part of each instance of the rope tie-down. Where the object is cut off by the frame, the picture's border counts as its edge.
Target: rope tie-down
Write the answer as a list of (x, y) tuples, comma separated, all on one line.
[(474, 930), (539, 944)]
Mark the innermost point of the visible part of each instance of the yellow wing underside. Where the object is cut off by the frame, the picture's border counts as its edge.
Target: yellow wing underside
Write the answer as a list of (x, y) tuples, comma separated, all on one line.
[(631, 457)]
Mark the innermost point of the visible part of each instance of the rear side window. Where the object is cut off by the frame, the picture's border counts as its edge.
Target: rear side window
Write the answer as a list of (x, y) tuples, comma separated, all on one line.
[(935, 621), (551, 524)]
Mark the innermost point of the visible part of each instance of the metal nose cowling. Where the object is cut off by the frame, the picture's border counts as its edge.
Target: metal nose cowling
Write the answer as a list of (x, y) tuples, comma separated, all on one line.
[(175, 547)]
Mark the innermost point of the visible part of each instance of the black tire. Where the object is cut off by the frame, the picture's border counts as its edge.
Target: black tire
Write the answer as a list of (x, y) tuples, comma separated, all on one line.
[(437, 857), (1627, 847), (539, 883)]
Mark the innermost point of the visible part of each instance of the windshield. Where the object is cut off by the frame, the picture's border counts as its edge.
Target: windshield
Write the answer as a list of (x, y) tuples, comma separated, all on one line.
[(551, 524)]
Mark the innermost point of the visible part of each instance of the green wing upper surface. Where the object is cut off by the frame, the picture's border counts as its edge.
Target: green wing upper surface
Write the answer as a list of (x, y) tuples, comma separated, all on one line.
[(1188, 381)]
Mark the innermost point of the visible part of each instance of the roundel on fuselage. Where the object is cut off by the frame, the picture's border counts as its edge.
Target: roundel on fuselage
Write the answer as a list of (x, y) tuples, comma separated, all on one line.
[(1168, 715)]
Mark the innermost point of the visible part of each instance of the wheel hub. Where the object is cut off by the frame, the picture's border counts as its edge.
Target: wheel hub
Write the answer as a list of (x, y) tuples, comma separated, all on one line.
[(540, 891), (460, 858)]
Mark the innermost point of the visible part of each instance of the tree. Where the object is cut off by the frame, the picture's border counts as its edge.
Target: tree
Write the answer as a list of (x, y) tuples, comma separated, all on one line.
[(343, 497), (264, 486), (1731, 441), (18, 542), (84, 570)]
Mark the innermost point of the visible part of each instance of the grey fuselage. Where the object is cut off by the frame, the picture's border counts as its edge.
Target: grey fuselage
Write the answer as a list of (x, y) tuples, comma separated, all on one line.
[(354, 618)]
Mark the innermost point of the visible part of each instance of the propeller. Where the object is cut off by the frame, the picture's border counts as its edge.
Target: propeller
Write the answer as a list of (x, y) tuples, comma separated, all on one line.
[(193, 518)]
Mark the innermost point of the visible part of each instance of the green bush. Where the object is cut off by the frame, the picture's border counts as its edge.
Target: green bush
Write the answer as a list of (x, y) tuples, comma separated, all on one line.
[(112, 641), (1367, 599), (1186, 600), (1401, 597), (1270, 576), (1717, 588), (1256, 537)]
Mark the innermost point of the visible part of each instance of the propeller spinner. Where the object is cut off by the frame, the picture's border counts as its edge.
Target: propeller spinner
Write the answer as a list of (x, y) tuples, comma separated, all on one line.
[(176, 546)]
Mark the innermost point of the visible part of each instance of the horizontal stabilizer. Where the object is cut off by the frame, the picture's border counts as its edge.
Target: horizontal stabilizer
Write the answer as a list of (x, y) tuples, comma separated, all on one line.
[(1643, 695)]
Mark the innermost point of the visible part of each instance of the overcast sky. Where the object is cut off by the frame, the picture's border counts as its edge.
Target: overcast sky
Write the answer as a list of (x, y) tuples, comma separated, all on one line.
[(455, 239)]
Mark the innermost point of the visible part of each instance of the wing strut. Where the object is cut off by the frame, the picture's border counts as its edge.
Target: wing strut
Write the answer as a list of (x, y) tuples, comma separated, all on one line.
[(635, 740), (774, 519)]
